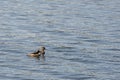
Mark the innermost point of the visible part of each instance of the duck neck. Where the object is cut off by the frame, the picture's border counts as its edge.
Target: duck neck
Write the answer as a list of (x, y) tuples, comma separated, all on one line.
[(42, 52)]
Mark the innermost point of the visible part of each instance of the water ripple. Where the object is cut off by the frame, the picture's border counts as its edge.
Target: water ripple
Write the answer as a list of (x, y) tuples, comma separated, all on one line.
[(81, 38)]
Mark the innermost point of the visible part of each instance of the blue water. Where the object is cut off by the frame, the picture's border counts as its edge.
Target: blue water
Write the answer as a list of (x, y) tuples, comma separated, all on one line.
[(82, 39)]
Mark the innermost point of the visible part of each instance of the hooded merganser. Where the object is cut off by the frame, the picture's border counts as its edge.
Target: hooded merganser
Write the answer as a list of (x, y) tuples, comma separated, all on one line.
[(38, 53)]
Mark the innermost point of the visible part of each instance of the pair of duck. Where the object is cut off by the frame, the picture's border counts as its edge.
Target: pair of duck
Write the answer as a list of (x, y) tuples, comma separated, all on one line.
[(40, 52)]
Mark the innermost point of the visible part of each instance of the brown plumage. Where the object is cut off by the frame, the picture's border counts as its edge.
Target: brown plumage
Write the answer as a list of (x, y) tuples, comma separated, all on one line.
[(38, 53)]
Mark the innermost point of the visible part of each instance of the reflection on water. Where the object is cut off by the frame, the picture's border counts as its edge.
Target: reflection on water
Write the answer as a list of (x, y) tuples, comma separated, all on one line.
[(41, 58), (82, 39)]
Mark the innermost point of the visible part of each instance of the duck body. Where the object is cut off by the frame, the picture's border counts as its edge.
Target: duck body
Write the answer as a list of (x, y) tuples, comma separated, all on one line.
[(38, 53)]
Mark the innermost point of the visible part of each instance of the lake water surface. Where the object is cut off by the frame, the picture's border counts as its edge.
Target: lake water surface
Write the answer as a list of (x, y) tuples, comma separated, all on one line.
[(82, 39)]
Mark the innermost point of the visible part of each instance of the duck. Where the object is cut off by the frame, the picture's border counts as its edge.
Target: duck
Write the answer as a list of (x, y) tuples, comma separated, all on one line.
[(38, 53)]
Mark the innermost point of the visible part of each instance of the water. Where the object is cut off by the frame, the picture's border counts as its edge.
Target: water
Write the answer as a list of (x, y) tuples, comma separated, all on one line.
[(82, 38)]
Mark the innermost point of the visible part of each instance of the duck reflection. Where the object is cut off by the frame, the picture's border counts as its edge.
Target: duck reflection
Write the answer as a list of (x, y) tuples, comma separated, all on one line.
[(41, 58)]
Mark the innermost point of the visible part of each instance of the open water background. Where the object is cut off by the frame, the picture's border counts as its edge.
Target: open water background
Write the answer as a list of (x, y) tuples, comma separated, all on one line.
[(82, 38)]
